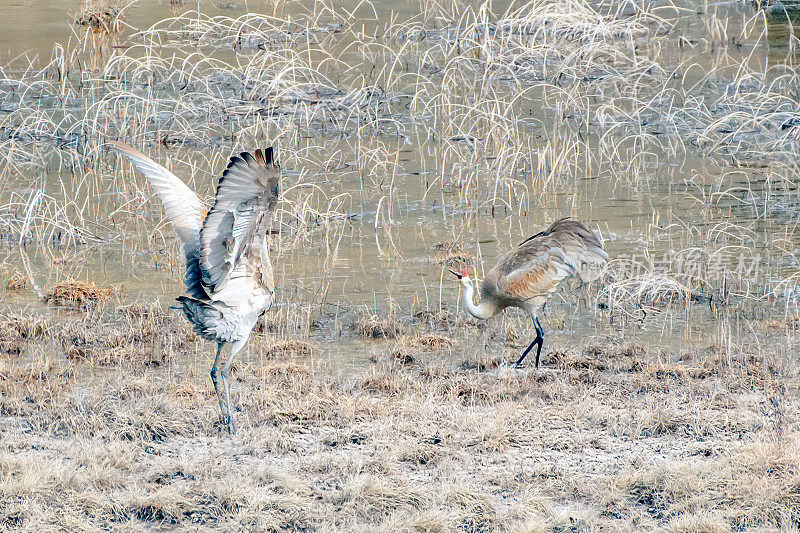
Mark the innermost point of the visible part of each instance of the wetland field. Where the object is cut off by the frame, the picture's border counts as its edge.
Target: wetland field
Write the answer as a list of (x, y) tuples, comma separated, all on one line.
[(415, 136)]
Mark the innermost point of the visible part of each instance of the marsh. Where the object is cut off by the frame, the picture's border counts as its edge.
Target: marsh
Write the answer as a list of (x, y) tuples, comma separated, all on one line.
[(415, 137)]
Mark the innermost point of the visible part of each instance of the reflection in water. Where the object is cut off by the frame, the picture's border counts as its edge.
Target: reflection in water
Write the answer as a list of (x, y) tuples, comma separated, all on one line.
[(782, 21)]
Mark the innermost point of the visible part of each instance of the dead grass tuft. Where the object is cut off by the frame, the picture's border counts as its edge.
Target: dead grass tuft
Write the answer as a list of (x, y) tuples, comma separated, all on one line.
[(483, 361), (749, 369), (12, 348), (111, 352), (662, 419), (140, 311), (406, 349), (291, 348), (700, 522), (101, 16), (431, 341), (369, 497), (448, 247), (656, 490), (633, 350), (436, 319), (41, 380), (593, 358), (17, 327), (187, 388), (15, 282), (78, 294), (148, 340), (390, 383), (663, 371), (457, 260), (285, 370), (377, 327), (789, 323), (453, 255)]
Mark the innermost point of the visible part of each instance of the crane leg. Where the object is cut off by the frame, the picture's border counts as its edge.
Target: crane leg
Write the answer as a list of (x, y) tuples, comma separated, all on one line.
[(539, 340), (224, 373), (540, 336), (214, 377)]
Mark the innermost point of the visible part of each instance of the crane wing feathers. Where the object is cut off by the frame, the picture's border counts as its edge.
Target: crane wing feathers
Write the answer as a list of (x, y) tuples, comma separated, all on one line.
[(541, 262), (246, 194), (210, 321), (183, 208), (534, 278)]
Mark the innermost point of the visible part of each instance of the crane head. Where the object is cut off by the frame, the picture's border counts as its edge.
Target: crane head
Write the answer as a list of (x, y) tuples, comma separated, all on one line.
[(461, 274)]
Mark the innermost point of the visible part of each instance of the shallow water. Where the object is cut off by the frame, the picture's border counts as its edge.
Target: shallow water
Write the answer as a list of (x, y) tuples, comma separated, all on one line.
[(389, 194)]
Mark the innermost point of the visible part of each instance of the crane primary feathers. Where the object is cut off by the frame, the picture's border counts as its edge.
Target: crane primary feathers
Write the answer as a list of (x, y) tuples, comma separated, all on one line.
[(529, 273), (229, 280)]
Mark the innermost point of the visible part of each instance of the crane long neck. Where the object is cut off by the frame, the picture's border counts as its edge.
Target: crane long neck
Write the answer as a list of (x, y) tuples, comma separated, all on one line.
[(483, 310)]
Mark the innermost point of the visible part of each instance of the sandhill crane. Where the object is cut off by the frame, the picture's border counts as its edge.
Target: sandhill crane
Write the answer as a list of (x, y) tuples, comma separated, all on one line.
[(228, 276), (527, 275)]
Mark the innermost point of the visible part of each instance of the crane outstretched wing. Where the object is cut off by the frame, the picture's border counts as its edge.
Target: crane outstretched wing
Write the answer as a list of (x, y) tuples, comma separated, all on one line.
[(230, 247), (182, 206)]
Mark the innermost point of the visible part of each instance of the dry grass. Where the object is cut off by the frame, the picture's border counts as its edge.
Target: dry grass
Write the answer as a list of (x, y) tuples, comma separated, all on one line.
[(16, 329), (406, 349), (436, 319), (23, 327), (78, 294), (790, 322), (101, 16), (14, 281), (377, 327), (462, 125), (453, 255), (291, 348), (608, 436), (140, 341)]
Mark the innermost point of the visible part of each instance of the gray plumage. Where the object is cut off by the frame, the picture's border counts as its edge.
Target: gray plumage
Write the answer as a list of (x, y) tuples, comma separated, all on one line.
[(535, 267), (229, 277), (526, 276)]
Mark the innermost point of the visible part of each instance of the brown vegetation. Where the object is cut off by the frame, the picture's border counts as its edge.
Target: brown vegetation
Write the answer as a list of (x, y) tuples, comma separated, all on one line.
[(291, 348), (14, 281), (608, 436), (377, 327), (101, 15), (78, 294), (407, 348), (453, 255), (671, 405)]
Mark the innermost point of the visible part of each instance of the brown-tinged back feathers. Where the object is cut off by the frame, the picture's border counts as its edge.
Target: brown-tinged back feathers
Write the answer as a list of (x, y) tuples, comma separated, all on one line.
[(537, 265)]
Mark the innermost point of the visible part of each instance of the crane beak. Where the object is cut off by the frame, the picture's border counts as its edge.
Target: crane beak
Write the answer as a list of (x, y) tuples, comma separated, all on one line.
[(456, 274)]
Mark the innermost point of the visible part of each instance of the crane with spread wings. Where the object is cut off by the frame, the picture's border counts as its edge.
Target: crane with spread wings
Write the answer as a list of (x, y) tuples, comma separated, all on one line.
[(229, 280)]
